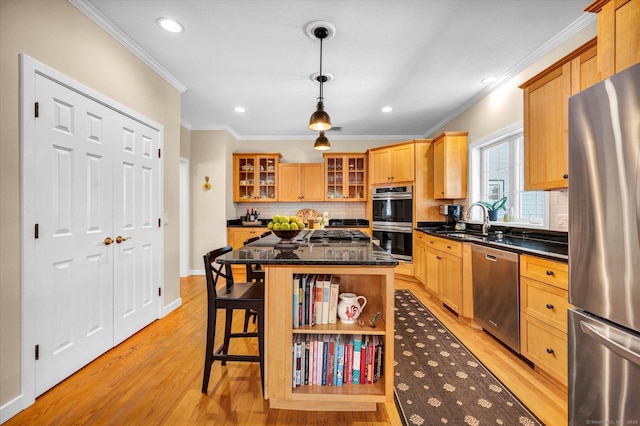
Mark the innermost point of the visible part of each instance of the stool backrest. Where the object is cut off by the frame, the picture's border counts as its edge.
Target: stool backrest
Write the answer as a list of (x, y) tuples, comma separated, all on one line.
[(213, 271)]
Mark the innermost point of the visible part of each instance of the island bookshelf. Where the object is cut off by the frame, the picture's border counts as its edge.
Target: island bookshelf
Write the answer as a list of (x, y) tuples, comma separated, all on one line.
[(373, 282)]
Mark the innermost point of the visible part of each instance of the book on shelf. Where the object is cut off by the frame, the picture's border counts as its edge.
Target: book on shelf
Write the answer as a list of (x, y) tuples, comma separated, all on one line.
[(311, 295), (319, 358), (333, 299), (370, 357), (331, 362), (319, 283), (296, 301), (357, 352), (298, 351), (325, 358), (326, 291), (348, 359), (378, 359), (363, 360), (305, 360), (339, 369)]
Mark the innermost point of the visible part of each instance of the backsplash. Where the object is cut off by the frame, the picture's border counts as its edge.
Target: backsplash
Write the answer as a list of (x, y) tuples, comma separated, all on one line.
[(559, 210), (336, 210)]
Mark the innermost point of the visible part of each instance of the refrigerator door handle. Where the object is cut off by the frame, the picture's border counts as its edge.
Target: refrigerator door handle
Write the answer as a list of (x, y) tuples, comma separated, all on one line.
[(596, 333)]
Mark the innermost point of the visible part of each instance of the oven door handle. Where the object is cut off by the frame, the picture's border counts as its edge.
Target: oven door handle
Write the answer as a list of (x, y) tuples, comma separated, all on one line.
[(401, 229)]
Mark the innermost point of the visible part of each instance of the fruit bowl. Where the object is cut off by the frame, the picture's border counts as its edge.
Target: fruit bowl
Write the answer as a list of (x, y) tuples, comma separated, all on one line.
[(288, 234)]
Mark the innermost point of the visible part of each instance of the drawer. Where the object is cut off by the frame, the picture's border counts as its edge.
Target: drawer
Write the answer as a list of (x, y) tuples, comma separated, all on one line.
[(545, 270), (545, 346), (445, 245), (542, 301)]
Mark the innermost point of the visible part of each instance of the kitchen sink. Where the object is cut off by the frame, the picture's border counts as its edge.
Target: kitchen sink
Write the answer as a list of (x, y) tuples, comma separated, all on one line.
[(463, 236)]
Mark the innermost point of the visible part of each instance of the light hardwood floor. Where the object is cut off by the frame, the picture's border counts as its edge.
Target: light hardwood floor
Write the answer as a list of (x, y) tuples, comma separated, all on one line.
[(155, 376)]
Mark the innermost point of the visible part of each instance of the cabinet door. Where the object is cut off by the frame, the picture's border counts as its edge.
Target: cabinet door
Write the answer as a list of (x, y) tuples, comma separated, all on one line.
[(289, 178), (237, 236), (356, 178), (546, 111), (244, 177), (401, 163), (450, 166), (432, 273), (584, 69), (380, 167), (312, 182), (451, 282), (266, 177), (438, 169), (419, 258)]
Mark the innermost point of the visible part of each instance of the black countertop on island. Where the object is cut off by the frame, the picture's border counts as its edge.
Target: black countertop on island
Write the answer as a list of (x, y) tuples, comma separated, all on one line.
[(348, 253)]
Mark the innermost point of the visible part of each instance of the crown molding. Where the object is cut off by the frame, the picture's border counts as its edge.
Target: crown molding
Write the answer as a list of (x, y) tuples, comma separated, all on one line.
[(563, 36), (96, 16)]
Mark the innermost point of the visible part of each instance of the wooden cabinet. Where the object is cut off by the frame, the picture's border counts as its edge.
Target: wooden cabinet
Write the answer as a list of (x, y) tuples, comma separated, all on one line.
[(376, 284), (419, 256), (345, 177), (301, 182), (393, 164), (443, 273), (255, 177), (450, 165), (543, 314), (236, 236), (546, 117), (618, 35)]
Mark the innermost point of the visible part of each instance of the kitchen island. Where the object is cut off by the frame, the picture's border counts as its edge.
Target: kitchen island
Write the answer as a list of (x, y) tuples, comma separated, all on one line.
[(364, 269)]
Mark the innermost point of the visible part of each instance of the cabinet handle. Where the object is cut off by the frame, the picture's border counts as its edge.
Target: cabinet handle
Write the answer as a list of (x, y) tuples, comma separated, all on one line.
[(449, 247), (565, 176), (550, 351), (549, 306), (549, 272), (438, 257)]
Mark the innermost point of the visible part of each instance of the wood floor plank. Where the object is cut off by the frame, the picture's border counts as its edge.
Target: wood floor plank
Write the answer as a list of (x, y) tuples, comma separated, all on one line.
[(155, 376)]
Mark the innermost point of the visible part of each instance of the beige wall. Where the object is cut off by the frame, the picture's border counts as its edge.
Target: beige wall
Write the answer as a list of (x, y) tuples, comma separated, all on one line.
[(57, 34)]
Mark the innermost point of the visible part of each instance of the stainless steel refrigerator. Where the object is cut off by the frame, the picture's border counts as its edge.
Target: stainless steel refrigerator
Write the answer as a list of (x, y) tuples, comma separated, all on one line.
[(604, 252)]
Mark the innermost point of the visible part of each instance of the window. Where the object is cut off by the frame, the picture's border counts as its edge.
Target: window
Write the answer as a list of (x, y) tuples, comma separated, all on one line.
[(497, 170)]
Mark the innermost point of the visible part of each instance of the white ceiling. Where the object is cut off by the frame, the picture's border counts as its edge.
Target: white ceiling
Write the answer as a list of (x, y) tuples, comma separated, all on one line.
[(425, 58)]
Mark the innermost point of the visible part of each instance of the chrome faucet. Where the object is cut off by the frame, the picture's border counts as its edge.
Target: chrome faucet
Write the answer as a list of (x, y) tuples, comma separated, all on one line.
[(485, 220)]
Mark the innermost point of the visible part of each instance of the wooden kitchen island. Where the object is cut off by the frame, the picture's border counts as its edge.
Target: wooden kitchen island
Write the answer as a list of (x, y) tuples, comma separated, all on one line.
[(364, 269)]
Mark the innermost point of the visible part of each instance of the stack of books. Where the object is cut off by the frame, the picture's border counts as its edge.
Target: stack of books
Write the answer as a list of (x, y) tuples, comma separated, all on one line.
[(315, 299), (336, 359)]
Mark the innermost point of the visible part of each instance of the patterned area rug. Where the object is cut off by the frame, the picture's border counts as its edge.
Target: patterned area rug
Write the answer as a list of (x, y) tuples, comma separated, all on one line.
[(438, 381)]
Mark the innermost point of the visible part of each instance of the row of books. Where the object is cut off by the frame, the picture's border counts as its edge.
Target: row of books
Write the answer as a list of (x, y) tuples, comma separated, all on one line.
[(315, 299), (336, 359)]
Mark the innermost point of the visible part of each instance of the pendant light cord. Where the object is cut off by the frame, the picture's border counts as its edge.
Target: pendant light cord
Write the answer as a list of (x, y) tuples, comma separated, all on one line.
[(321, 77)]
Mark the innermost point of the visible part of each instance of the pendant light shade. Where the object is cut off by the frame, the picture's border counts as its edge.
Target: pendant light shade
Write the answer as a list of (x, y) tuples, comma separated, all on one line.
[(322, 143), (320, 120)]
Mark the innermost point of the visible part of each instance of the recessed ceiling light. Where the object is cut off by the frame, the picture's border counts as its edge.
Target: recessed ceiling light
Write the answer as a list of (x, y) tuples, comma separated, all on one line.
[(489, 80), (387, 109), (239, 109), (170, 25)]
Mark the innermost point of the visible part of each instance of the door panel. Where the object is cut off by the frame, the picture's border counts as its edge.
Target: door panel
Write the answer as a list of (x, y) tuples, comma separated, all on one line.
[(74, 268)]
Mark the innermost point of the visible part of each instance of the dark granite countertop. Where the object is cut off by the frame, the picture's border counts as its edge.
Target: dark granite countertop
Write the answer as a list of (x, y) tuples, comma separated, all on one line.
[(339, 253), (549, 244)]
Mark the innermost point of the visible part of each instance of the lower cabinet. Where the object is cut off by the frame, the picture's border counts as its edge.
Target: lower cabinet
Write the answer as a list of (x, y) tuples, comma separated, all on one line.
[(543, 315), (236, 238), (443, 270)]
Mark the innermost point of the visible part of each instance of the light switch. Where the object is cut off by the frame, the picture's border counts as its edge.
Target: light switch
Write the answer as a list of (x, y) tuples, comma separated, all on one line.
[(563, 221), (166, 218)]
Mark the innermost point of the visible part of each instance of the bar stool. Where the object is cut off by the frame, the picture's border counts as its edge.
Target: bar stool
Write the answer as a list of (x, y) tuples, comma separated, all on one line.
[(231, 296)]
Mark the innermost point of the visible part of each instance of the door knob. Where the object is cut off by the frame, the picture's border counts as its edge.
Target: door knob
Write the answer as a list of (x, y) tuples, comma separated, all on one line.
[(108, 241), (121, 239)]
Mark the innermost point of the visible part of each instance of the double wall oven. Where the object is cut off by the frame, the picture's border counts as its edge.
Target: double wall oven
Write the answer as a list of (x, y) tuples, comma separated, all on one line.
[(392, 219)]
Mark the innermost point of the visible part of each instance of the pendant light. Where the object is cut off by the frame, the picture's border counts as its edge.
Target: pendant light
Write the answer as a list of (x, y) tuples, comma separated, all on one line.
[(322, 143), (320, 120)]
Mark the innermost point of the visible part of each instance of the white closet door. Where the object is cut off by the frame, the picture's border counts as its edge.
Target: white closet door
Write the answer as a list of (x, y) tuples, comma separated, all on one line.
[(136, 217), (74, 211)]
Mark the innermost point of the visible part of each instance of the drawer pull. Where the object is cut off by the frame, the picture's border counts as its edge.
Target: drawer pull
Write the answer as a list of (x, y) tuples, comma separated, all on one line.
[(449, 247), (549, 350), (549, 306), (438, 257), (549, 272)]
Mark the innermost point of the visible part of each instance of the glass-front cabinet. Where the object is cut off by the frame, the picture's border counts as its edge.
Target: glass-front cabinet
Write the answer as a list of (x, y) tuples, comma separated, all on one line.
[(345, 177), (255, 177)]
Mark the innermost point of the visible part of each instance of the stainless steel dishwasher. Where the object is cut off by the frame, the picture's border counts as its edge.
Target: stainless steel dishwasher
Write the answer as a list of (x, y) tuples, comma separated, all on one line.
[(496, 293)]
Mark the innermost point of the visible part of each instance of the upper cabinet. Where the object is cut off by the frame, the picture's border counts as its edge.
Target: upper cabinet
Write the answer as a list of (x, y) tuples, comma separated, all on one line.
[(255, 177), (301, 182), (546, 117), (393, 164), (618, 35), (450, 165), (345, 177)]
